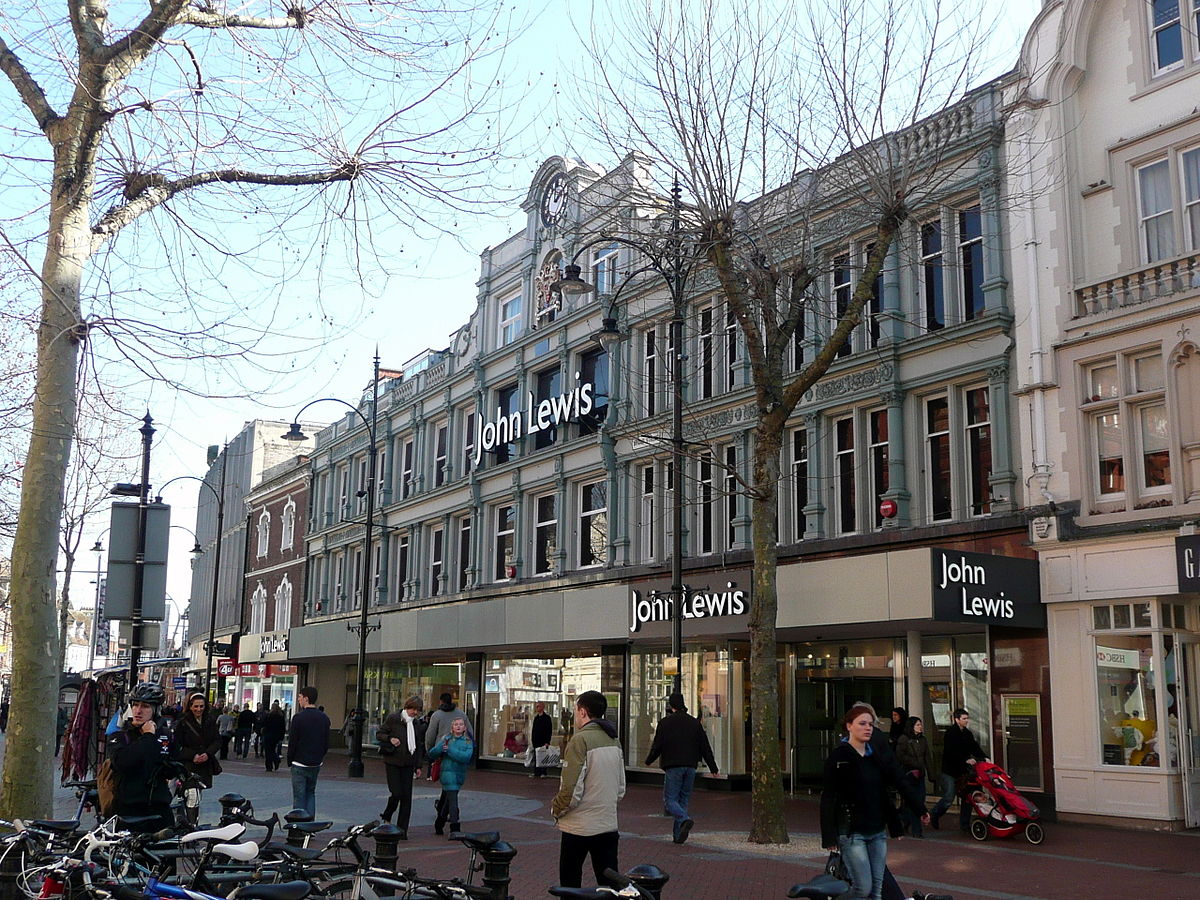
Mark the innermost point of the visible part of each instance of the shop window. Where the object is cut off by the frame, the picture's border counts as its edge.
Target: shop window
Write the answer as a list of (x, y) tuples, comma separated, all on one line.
[(545, 535), (437, 560), (264, 532), (799, 482), (287, 535), (510, 319), (504, 565), (593, 524), (512, 689), (1125, 690)]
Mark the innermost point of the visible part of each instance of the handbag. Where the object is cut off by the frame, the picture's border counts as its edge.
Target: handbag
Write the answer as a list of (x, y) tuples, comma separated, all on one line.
[(386, 748), (435, 770), (547, 757), (835, 866)]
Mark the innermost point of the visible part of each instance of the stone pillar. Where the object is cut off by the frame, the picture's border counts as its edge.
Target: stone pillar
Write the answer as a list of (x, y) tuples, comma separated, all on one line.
[(915, 686)]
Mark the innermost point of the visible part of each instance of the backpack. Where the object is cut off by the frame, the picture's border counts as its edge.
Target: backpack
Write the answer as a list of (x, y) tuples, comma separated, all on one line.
[(106, 787)]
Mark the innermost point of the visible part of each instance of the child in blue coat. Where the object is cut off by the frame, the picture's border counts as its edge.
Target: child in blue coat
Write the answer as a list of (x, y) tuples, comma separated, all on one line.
[(455, 751)]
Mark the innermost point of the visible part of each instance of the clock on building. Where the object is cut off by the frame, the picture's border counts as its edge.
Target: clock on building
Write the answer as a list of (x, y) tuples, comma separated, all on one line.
[(554, 199)]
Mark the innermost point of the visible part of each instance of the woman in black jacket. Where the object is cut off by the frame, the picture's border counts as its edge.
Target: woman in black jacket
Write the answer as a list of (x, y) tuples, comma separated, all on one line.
[(273, 731), (856, 813), (196, 743), (402, 745), (916, 759)]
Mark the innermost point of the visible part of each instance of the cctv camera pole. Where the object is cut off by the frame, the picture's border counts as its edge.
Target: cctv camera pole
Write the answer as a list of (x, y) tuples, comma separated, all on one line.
[(139, 562)]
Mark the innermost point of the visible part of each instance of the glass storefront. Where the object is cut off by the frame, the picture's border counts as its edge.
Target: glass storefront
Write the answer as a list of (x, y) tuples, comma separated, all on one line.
[(513, 687), (390, 683)]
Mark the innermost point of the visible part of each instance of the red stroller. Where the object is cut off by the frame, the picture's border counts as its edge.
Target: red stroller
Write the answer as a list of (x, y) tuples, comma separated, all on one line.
[(1000, 809)]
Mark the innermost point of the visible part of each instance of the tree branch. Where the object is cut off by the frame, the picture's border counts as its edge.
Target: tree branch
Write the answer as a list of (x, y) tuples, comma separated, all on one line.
[(27, 87), (296, 18)]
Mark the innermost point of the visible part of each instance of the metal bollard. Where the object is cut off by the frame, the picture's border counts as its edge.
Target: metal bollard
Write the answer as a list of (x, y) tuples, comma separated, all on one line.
[(497, 860), (649, 878), (387, 844), (231, 804)]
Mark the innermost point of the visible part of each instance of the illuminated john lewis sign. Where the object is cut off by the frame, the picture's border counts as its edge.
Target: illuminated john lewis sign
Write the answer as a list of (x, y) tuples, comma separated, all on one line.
[(537, 415)]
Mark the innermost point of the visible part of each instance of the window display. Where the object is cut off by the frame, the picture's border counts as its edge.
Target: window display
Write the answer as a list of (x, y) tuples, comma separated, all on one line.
[(1125, 690), (512, 688)]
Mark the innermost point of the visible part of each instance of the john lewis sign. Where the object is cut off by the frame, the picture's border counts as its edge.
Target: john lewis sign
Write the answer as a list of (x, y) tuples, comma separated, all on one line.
[(538, 415), (986, 590)]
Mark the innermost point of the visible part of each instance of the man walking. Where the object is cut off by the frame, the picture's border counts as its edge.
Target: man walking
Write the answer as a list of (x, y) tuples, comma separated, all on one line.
[(541, 732), (593, 780), (960, 751), (681, 741), (308, 741)]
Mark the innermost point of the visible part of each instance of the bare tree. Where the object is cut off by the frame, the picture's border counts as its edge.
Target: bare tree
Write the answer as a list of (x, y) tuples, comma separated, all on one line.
[(788, 131), (225, 140)]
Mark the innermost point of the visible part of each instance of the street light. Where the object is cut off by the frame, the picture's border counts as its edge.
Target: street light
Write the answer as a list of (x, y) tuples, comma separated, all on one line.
[(667, 260), (356, 769), (97, 610)]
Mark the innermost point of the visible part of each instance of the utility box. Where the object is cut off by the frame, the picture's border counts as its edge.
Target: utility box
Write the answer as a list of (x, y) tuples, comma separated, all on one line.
[(122, 568)]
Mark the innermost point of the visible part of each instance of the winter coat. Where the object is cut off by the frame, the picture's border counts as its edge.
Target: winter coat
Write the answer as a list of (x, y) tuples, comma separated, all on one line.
[(455, 754), (959, 745), (541, 732), (913, 754), (681, 740), (245, 720), (440, 721), (193, 738), (593, 781), (275, 726), (226, 723), (141, 772), (308, 737), (854, 797), (394, 727)]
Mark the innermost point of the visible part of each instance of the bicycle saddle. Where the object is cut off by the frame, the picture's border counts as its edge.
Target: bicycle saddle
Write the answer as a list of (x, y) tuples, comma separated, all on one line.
[(308, 827), (823, 887), (303, 854), (241, 852), (58, 826), (581, 893), (476, 840), (224, 833), (289, 890)]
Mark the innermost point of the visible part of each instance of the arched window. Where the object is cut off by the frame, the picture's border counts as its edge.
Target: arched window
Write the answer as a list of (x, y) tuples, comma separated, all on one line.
[(283, 605), (258, 610), (264, 532), (288, 535)]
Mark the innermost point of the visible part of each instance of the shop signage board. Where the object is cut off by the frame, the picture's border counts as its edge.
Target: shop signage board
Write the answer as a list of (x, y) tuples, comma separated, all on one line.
[(717, 602), (986, 590), (226, 668), (273, 645), (538, 415), (179, 682), (1022, 721), (1187, 563)]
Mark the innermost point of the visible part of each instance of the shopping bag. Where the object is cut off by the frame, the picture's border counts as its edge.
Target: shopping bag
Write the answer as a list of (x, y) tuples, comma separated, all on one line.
[(529, 758), (547, 757)]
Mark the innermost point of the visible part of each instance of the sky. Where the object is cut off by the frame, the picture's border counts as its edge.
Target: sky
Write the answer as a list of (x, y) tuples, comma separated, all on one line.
[(418, 308)]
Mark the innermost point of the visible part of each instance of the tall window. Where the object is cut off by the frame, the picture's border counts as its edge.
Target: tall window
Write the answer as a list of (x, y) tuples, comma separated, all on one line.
[(979, 451), (343, 481), (937, 439), (705, 539), (879, 461), (1156, 206), (799, 482), (283, 605), (505, 558), (970, 258), (704, 347), (549, 385), (604, 269), (731, 497), (648, 520), (507, 402), (845, 469), (258, 610), (731, 350), (1191, 185), (1166, 40), (464, 553), (380, 480), (545, 535), (441, 449), (403, 544), (437, 560), (593, 524), (264, 532), (468, 431), (593, 370), (287, 535), (510, 319), (356, 574), (932, 283), (650, 370), (407, 474), (364, 485), (875, 305), (339, 579)]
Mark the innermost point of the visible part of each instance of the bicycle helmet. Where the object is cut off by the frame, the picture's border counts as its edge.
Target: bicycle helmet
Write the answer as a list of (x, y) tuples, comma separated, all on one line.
[(147, 692)]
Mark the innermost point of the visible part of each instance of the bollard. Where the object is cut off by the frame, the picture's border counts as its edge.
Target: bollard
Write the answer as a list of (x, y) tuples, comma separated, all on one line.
[(649, 878), (231, 804), (497, 860), (296, 838), (387, 844)]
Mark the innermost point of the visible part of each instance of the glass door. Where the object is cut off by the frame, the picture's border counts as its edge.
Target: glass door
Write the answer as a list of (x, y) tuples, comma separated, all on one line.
[(1183, 719)]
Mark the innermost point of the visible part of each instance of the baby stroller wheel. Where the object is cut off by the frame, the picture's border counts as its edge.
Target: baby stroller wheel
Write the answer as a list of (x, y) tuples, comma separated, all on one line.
[(979, 829), (1034, 833)]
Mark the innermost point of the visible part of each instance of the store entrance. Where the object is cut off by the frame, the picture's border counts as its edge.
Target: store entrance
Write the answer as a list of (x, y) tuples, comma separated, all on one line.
[(820, 705), (1187, 702)]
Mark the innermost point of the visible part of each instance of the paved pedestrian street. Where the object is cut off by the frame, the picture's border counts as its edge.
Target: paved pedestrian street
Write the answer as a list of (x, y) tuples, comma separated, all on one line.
[(1076, 861)]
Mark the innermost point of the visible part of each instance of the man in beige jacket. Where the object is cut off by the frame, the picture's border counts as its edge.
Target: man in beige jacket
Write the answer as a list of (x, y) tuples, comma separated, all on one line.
[(593, 780)]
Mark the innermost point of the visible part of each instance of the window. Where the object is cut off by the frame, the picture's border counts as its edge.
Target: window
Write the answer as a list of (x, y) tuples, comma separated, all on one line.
[(505, 551), (879, 462), (593, 370), (510, 319), (937, 462), (731, 350), (650, 370), (364, 485), (847, 500), (970, 256), (731, 497), (604, 269), (593, 524), (545, 535), (468, 432), (1125, 689), (437, 560), (339, 579), (549, 385), (799, 483), (283, 605), (1129, 431), (979, 451), (705, 540), (875, 306), (441, 444), (356, 575), (264, 532), (932, 285), (381, 484), (258, 610), (343, 476), (704, 353), (287, 535), (464, 553), (1156, 222), (1166, 38), (648, 521), (1191, 185), (507, 403), (403, 544), (407, 460)]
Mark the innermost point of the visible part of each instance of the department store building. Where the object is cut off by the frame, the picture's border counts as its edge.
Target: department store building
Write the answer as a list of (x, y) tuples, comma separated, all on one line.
[(525, 491)]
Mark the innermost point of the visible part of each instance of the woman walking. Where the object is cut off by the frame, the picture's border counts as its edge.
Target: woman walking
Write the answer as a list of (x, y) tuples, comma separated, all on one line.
[(455, 751), (273, 730), (913, 754), (856, 813), (196, 743), (402, 745)]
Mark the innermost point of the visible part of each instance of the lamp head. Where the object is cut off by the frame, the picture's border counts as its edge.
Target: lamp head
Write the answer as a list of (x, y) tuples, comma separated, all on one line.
[(609, 336), (196, 550), (294, 433), (97, 547), (572, 282)]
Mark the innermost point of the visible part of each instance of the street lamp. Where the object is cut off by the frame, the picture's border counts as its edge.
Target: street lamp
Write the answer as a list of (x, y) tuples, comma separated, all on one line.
[(667, 260), (219, 496), (97, 610), (356, 769)]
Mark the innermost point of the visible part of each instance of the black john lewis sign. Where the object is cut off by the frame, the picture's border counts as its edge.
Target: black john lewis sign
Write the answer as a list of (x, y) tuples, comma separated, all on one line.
[(986, 590), (715, 603)]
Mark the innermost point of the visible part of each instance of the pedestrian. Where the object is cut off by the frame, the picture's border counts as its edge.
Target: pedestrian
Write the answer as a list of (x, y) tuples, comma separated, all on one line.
[(60, 728), (915, 758), (593, 781), (273, 730), (245, 728), (682, 742), (260, 716), (226, 723), (960, 751), (3, 717), (308, 742), (899, 720), (195, 744), (856, 813), (139, 761), (455, 751), (541, 733), (402, 746), (349, 726), (439, 722)]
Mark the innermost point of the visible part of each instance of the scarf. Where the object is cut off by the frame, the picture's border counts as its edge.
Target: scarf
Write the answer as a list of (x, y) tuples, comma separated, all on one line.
[(412, 734)]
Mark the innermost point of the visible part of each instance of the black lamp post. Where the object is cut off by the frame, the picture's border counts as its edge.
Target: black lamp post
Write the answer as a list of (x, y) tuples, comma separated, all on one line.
[(142, 492), (668, 260), (355, 768)]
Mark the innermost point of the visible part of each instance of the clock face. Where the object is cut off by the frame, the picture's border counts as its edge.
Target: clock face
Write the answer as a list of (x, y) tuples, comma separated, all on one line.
[(554, 199)]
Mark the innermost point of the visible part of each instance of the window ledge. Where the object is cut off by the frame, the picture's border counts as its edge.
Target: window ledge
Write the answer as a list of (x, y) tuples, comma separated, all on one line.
[(1133, 515)]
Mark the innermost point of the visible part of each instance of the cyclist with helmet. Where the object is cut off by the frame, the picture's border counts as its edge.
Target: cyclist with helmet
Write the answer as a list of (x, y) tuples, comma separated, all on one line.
[(139, 760)]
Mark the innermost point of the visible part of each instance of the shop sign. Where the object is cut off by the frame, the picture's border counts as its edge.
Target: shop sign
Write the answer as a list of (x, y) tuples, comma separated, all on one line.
[(986, 590), (1187, 562), (538, 415), (226, 668), (1117, 658), (656, 605), (254, 670), (274, 643)]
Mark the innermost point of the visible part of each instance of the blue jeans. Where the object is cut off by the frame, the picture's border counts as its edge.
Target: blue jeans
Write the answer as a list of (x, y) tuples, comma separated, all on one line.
[(865, 856), (304, 788), (949, 792), (678, 782)]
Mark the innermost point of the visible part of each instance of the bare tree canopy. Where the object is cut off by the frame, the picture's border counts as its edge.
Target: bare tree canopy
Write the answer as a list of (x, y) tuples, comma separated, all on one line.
[(791, 128), (234, 147)]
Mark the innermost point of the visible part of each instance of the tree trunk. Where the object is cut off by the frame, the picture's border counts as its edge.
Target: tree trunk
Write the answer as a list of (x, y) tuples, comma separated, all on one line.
[(768, 824), (64, 610), (27, 781)]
